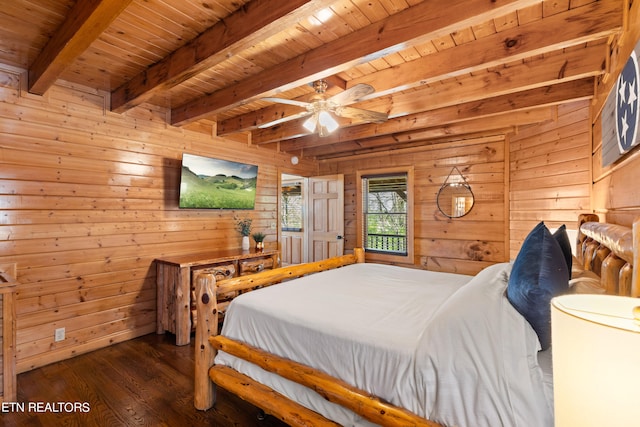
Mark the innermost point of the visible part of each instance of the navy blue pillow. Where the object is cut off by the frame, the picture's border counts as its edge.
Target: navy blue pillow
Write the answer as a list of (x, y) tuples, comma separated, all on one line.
[(562, 238), (538, 274)]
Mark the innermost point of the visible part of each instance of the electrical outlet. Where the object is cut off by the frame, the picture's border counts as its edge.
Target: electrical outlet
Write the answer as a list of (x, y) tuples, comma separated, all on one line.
[(58, 335)]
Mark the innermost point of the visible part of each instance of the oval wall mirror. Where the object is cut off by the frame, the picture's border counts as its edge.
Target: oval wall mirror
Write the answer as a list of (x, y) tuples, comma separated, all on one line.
[(455, 198)]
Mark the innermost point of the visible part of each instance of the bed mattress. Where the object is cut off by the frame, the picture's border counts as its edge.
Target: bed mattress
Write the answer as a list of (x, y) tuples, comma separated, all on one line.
[(383, 329)]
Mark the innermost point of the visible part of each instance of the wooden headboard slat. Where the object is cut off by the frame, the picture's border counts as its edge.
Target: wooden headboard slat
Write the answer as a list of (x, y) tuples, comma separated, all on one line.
[(611, 251), (610, 273), (617, 238), (626, 281)]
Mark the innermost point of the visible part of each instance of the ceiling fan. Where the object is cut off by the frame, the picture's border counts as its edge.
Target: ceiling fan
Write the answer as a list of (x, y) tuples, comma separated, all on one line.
[(320, 108)]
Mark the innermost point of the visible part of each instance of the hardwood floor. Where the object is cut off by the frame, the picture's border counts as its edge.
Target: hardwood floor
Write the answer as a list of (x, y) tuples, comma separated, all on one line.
[(147, 381)]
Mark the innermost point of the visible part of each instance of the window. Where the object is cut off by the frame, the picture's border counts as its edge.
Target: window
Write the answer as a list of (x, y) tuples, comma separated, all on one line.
[(385, 217), (291, 207)]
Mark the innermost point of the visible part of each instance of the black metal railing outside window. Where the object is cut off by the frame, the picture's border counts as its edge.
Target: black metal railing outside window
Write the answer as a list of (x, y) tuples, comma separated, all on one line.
[(385, 213), (387, 243)]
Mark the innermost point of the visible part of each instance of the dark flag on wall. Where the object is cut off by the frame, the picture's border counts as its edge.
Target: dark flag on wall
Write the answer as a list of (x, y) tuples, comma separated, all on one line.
[(620, 114)]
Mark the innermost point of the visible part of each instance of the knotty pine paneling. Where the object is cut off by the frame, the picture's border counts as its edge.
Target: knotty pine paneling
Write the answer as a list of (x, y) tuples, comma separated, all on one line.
[(616, 197), (548, 179), (550, 173), (88, 199), (464, 245)]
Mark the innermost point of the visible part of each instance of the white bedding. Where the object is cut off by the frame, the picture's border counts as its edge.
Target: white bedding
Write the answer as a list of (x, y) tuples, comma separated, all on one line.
[(382, 329)]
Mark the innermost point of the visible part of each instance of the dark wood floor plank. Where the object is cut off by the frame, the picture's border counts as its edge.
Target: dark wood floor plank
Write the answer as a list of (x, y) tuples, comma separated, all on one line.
[(147, 381)]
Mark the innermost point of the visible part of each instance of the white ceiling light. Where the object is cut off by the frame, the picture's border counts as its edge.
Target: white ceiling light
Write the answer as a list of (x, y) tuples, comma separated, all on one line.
[(311, 123), (325, 119), (321, 122)]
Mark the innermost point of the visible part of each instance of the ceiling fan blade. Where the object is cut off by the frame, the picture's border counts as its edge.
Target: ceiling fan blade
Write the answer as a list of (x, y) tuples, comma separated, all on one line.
[(285, 119), (360, 114), (287, 101), (351, 95)]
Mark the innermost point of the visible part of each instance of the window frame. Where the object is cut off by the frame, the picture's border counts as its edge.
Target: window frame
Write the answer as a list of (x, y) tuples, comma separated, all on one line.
[(360, 232)]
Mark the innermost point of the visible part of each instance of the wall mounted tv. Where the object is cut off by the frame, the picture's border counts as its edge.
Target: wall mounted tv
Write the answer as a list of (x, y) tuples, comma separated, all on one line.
[(208, 183)]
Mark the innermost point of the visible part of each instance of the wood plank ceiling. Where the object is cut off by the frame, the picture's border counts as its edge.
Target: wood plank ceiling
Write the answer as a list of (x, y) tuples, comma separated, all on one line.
[(476, 67)]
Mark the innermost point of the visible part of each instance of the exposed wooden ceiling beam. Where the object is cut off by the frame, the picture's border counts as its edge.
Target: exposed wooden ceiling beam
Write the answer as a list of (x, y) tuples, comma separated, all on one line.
[(486, 109), (594, 21), (252, 23), (620, 51), (551, 69), (503, 123), (538, 72), (414, 25), (84, 24), (462, 60), (460, 141)]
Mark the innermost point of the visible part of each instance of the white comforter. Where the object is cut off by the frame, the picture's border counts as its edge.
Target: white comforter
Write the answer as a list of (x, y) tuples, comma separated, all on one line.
[(459, 355)]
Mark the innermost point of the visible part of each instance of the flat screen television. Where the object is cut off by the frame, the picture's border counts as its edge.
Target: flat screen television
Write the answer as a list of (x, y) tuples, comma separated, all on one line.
[(208, 183)]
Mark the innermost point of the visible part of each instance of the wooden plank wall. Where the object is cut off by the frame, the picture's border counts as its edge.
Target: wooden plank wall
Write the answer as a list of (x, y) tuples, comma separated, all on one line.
[(464, 245), (615, 192), (88, 199), (616, 195), (550, 171), (2, 342)]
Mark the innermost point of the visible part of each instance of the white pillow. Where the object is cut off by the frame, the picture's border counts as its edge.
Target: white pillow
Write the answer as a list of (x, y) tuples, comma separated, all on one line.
[(479, 350)]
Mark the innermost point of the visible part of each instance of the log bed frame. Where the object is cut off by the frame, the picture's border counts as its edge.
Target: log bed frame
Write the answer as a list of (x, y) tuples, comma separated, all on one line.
[(606, 249)]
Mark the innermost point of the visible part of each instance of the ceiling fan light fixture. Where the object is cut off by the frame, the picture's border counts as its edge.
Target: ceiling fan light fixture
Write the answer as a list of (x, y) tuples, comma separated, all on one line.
[(323, 131), (321, 122), (326, 120), (311, 123), (323, 109)]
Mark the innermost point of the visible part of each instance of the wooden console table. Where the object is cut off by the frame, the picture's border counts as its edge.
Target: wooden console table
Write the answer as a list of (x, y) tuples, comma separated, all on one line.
[(174, 279)]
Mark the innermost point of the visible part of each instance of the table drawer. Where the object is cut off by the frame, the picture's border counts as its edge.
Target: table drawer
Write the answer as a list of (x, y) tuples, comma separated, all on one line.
[(222, 271), (256, 265)]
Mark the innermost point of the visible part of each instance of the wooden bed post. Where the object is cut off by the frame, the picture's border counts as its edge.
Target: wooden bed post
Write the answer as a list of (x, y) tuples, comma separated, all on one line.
[(206, 325), (207, 313), (582, 218), (635, 281)]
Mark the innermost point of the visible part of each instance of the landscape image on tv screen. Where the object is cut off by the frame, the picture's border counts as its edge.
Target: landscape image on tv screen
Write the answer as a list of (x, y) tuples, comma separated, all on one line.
[(208, 183)]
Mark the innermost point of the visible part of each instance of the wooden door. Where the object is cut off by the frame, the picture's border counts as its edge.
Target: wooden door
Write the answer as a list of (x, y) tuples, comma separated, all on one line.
[(326, 217), (292, 248), (292, 216)]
